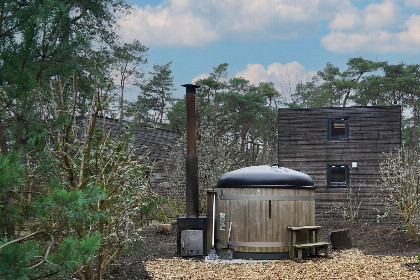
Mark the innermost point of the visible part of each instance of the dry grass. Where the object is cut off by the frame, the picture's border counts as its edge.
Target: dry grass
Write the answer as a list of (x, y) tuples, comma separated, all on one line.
[(349, 264)]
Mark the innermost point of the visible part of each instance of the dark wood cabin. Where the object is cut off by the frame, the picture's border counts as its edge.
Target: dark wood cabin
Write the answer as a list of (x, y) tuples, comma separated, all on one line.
[(156, 144), (341, 149)]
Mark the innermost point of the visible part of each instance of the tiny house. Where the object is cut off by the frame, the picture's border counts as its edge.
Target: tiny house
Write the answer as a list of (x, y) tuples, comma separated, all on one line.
[(341, 149)]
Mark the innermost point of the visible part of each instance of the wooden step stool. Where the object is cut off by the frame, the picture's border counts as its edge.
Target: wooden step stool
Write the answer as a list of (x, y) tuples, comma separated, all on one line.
[(312, 245)]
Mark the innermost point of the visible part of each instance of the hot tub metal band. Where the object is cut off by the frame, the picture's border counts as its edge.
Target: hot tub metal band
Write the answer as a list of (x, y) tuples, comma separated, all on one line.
[(266, 197), (253, 244)]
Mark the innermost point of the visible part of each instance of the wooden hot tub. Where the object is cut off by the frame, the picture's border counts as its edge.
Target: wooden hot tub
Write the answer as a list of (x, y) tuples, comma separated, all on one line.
[(257, 204)]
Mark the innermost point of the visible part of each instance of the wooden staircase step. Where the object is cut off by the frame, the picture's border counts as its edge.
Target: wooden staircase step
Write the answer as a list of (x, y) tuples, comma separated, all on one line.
[(312, 245)]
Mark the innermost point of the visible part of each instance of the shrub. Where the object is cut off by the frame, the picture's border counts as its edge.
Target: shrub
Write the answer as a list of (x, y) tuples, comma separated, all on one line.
[(400, 175)]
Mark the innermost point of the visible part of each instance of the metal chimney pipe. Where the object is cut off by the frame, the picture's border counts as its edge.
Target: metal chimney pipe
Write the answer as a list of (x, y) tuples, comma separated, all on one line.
[(191, 164)]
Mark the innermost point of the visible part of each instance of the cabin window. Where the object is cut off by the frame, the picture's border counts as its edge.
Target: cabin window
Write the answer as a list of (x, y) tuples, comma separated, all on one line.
[(338, 176), (338, 129)]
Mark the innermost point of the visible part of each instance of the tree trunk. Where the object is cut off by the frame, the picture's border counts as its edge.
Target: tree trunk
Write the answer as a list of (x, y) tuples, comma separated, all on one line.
[(122, 101), (9, 225), (411, 231), (415, 120), (19, 131), (3, 143), (257, 154), (1, 18), (87, 272), (162, 107), (102, 249), (264, 151), (346, 97), (243, 139)]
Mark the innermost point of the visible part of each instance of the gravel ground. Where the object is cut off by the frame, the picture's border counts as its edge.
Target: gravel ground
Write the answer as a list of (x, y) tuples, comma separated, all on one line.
[(348, 264), (378, 253)]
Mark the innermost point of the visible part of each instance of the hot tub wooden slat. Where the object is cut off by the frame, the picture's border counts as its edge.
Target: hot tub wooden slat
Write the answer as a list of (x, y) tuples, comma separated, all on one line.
[(250, 217)]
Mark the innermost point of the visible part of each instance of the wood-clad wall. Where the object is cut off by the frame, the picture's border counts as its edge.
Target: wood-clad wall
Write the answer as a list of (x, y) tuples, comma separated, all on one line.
[(156, 144), (304, 146)]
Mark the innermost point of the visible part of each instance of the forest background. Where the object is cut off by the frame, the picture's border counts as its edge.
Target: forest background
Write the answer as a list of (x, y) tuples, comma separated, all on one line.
[(70, 192)]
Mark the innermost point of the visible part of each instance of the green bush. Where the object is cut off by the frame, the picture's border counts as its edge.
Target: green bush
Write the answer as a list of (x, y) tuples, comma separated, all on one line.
[(10, 180), (15, 259), (74, 252)]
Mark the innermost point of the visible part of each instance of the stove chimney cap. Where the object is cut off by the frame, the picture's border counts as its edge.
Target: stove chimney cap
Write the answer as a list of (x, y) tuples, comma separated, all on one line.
[(190, 88)]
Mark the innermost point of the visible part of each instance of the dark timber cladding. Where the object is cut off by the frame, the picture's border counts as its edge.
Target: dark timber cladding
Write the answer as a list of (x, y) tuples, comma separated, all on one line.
[(154, 144), (341, 149)]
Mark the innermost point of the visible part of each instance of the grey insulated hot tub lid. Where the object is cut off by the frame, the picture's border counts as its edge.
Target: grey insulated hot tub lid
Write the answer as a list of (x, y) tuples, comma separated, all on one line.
[(265, 176)]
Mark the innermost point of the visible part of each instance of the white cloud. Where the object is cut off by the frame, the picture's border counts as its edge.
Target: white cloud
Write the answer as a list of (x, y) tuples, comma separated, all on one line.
[(345, 42), (289, 73), (380, 15), (379, 41), (372, 17), (411, 38), (376, 28), (412, 3), (284, 76), (166, 25), (192, 22), (347, 20), (379, 27), (200, 77)]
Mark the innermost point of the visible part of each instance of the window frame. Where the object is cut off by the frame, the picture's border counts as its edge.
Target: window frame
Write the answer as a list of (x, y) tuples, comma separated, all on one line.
[(344, 184), (344, 137)]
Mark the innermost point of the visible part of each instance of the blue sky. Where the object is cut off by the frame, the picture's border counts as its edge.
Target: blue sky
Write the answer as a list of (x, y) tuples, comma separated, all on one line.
[(282, 41)]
